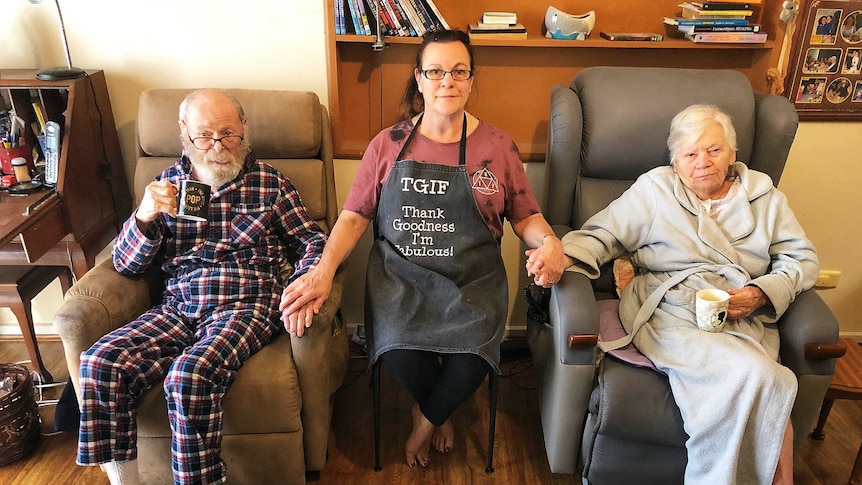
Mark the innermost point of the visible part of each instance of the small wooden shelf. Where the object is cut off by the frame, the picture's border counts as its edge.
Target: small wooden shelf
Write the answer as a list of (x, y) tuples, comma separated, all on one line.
[(514, 77), (570, 44)]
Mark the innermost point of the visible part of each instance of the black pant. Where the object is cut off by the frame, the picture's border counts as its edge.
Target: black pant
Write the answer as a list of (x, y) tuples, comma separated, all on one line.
[(439, 382)]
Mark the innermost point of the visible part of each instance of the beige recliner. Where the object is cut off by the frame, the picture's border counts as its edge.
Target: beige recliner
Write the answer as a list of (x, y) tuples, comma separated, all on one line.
[(277, 413)]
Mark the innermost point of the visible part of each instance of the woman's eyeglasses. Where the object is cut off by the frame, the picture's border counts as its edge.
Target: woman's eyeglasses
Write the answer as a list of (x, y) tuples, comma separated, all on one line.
[(439, 74)]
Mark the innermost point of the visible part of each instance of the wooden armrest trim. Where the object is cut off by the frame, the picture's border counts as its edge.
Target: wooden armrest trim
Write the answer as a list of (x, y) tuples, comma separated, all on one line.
[(824, 351), (586, 341)]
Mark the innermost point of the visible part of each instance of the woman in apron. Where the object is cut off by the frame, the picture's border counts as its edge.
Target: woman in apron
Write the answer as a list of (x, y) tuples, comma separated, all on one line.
[(437, 186)]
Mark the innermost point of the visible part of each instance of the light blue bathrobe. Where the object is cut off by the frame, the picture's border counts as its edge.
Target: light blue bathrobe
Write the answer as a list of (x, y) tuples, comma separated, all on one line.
[(734, 398)]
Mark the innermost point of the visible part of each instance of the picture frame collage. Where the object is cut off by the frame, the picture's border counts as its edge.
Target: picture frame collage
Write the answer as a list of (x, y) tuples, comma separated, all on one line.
[(826, 81)]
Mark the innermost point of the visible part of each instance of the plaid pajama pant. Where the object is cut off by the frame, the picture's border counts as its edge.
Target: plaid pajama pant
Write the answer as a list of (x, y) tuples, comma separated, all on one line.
[(198, 352)]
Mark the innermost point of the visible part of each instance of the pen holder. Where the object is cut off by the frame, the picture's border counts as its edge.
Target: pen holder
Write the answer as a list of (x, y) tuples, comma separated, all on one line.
[(7, 154)]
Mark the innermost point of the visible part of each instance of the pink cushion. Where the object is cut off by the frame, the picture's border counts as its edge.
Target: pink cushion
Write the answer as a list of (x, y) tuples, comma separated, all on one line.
[(611, 328)]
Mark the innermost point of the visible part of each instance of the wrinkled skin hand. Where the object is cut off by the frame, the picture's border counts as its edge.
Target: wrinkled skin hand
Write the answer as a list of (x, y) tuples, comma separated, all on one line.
[(744, 301), (159, 197)]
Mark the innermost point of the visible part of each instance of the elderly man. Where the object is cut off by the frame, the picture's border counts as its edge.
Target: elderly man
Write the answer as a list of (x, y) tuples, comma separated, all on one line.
[(221, 298)]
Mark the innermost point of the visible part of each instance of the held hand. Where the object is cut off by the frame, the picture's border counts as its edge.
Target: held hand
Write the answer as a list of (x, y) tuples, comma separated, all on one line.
[(295, 323), (744, 301), (159, 196), (302, 299), (547, 262)]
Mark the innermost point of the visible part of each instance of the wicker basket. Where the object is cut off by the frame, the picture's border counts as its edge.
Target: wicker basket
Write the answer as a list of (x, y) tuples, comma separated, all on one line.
[(20, 427)]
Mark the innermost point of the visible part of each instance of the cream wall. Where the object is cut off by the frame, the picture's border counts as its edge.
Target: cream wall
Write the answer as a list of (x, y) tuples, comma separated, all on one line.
[(280, 45)]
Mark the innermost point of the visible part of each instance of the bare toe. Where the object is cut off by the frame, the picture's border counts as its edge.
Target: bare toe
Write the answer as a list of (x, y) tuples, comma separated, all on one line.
[(444, 437), (418, 447)]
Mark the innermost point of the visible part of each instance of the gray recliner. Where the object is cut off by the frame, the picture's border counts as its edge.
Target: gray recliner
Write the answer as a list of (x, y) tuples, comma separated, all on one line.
[(613, 422)]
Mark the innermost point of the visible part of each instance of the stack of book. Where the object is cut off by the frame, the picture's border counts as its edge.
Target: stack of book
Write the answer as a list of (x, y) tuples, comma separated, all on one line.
[(404, 18), (497, 25), (718, 22)]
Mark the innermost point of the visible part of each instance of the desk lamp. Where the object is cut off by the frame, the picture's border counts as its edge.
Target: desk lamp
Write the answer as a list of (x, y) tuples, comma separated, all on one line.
[(61, 72)]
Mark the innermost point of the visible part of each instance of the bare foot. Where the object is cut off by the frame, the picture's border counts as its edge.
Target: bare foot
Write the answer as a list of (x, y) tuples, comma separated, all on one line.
[(444, 437), (418, 447)]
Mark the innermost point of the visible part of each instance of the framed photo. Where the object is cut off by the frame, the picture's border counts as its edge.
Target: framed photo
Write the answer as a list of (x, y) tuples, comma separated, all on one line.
[(825, 78)]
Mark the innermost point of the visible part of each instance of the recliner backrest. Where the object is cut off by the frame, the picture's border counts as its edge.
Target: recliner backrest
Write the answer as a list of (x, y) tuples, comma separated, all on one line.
[(289, 130), (611, 125)]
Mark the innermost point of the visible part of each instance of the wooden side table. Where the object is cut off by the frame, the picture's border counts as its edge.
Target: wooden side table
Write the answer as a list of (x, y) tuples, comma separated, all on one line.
[(846, 384)]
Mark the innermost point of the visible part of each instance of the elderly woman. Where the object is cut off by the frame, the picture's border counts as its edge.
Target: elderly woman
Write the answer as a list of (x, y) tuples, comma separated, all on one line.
[(707, 221), (438, 186)]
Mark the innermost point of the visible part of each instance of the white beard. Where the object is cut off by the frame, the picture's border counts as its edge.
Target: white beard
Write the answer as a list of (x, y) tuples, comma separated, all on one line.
[(207, 170)]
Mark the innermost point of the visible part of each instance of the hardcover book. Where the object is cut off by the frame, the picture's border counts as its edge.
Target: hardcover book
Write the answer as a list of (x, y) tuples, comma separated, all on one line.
[(728, 37), (681, 21), (689, 29)]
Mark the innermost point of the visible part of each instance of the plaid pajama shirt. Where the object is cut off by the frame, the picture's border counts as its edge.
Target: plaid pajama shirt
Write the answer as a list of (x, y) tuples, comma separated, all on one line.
[(220, 307)]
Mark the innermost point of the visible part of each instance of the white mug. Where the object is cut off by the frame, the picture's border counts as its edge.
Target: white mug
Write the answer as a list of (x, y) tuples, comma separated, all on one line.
[(711, 309)]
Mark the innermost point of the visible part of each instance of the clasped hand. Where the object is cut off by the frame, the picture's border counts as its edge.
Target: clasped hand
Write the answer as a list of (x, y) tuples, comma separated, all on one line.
[(302, 299), (546, 263)]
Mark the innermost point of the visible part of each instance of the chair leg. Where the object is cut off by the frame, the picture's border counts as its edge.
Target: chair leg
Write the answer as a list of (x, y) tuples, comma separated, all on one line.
[(818, 433), (65, 280), (375, 386), (23, 312), (492, 418)]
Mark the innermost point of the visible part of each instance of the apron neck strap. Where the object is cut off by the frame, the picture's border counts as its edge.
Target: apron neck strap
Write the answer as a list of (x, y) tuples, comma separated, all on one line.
[(462, 152)]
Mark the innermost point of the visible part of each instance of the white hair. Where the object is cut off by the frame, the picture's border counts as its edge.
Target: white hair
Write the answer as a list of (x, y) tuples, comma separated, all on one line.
[(692, 122)]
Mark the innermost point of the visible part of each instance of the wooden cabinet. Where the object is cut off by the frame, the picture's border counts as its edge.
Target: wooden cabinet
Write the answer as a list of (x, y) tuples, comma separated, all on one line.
[(514, 77), (93, 193)]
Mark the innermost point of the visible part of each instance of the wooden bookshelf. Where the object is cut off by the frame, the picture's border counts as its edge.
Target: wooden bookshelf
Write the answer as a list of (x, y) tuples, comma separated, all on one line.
[(514, 77)]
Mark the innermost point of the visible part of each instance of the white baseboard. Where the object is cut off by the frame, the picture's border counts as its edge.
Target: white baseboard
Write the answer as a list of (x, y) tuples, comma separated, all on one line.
[(857, 336), (14, 330)]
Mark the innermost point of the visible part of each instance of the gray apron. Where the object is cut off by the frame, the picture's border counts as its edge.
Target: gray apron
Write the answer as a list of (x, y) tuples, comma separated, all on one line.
[(435, 278)]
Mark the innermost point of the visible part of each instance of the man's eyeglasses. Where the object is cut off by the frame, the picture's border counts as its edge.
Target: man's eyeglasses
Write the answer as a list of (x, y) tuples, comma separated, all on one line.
[(439, 74), (205, 142)]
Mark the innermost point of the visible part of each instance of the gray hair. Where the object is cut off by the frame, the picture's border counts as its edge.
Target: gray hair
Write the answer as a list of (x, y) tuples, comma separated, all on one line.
[(693, 122), (184, 106)]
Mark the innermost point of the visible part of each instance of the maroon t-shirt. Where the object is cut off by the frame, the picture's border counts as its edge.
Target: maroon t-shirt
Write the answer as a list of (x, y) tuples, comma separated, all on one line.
[(494, 168)]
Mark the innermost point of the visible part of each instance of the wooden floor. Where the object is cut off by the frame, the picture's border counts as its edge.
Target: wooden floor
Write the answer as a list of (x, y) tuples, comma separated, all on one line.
[(518, 455)]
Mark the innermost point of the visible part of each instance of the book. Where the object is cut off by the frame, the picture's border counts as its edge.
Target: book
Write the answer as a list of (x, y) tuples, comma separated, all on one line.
[(627, 36), (728, 37), (678, 21), (500, 18), (403, 18), (418, 29), (689, 29), (424, 15), (399, 30), (498, 36), (481, 27), (721, 5), (689, 11), (363, 17), (339, 17), (516, 31), (39, 111), (434, 10), (354, 17)]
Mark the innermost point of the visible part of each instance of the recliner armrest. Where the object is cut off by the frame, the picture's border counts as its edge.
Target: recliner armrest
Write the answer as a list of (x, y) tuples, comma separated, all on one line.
[(573, 311), (320, 358), (807, 321), (101, 301)]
